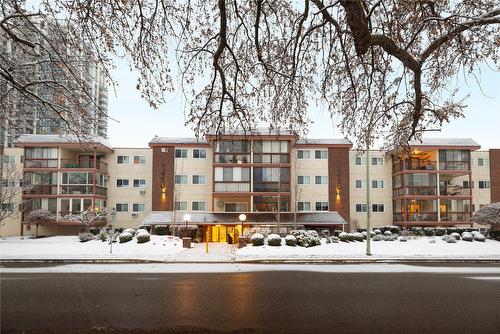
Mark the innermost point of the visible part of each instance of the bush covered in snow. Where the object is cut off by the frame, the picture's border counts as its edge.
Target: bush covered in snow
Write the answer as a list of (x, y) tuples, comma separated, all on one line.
[(343, 236), (273, 240), (257, 239), (417, 231), (95, 230), (142, 236), (440, 231), (388, 233), (479, 237), (377, 231), (313, 233), (325, 233), (103, 235), (455, 235), (334, 240), (161, 229), (306, 238), (467, 236), (365, 234), (358, 236), (391, 237), (125, 237), (248, 233), (86, 236), (475, 232), (432, 241), (129, 230), (378, 237), (290, 240), (403, 239), (449, 239), (429, 231), (336, 233)]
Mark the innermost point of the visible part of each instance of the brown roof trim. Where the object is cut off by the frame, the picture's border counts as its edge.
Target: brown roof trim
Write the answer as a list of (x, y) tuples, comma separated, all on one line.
[(180, 145)]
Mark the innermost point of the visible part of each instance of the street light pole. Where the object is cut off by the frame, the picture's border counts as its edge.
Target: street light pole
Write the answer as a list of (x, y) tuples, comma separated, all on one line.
[(186, 218)]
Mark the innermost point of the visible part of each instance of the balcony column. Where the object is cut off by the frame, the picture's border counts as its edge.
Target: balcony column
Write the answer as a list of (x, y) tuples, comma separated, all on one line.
[(94, 181), (251, 176), (438, 198), (59, 181)]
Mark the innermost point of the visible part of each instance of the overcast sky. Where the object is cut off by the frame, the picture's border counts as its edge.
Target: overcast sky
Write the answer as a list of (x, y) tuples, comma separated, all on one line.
[(136, 123)]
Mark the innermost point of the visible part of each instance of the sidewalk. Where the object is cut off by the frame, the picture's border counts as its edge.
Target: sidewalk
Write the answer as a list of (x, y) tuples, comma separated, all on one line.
[(217, 253)]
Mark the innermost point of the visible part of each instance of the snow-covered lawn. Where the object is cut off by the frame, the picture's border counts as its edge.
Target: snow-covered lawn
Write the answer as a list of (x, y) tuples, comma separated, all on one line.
[(413, 248), (69, 247)]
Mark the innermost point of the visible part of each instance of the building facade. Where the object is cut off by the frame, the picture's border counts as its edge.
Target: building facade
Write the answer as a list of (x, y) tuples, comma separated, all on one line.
[(273, 179)]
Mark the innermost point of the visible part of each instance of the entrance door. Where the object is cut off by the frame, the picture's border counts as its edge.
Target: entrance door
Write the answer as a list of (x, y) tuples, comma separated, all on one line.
[(230, 234)]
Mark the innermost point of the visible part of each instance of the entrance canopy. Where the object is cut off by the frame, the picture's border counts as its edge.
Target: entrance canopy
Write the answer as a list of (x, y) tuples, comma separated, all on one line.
[(253, 218)]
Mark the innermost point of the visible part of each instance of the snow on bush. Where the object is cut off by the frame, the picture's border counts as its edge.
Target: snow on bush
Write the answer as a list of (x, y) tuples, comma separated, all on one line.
[(325, 233), (103, 235), (467, 236), (247, 234), (86, 236), (306, 238), (450, 239), (273, 240), (432, 241), (129, 230), (290, 240), (343, 236), (257, 239), (313, 233), (390, 237), (125, 237), (365, 234), (388, 233), (440, 231), (358, 236), (140, 230), (479, 237), (403, 239), (378, 237), (334, 240), (377, 231), (143, 236), (161, 229), (455, 235)]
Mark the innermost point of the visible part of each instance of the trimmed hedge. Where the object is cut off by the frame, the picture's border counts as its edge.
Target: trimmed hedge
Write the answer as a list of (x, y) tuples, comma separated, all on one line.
[(125, 237), (161, 229), (273, 240), (257, 239), (290, 240), (143, 236)]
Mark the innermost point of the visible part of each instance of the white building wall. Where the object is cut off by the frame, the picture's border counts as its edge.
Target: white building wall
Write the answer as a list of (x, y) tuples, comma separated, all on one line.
[(11, 225)]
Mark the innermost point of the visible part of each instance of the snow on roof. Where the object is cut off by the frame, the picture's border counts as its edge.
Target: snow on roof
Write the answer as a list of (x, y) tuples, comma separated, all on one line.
[(333, 141), (61, 139), (254, 218), (459, 142), (177, 140)]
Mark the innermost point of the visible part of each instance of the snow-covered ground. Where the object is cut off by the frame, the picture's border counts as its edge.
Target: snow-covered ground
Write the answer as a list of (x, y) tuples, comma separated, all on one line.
[(69, 247), (413, 248)]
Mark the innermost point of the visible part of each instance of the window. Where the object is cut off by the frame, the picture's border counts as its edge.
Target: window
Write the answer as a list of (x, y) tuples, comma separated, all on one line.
[(8, 183), (360, 184), (377, 161), (321, 179), (7, 207), (121, 207), (199, 206), (359, 161), (139, 183), (181, 179), (181, 153), (377, 207), (303, 154), (321, 154), (465, 184), (139, 160), (483, 162), (321, 206), (199, 179), (301, 179), (360, 207), (9, 159), (122, 159), (180, 206), (304, 206), (377, 184), (484, 184), (136, 207), (199, 153), (122, 183), (232, 174)]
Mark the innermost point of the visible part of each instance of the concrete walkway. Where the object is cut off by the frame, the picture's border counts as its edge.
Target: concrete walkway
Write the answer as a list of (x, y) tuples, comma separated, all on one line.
[(217, 252)]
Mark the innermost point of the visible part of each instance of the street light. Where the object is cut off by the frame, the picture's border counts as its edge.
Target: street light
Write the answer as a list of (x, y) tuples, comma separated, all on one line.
[(242, 217), (111, 234), (186, 218)]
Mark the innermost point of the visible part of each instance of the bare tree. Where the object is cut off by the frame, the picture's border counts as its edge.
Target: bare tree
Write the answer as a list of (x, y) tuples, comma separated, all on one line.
[(488, 215), (87, 217), (12, 186), (379, 64), (41, 217)]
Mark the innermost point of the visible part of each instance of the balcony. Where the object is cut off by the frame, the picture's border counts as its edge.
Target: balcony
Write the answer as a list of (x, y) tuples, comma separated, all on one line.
[(271, 187), (454, 165), (70, 163), (455, 216), (232, 187), (414, 165), (226, 158), (416, 217), (83, 190), (415, 191), (271, 158), (40, 163), (41, 189), (454, 190)]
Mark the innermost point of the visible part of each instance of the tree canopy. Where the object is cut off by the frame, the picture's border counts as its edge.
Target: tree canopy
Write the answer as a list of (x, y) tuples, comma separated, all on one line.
[(383, 66)]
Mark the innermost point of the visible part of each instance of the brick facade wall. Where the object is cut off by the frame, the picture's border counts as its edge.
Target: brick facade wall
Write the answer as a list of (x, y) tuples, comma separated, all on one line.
[(338, 174), (495, 175), (163, 178)]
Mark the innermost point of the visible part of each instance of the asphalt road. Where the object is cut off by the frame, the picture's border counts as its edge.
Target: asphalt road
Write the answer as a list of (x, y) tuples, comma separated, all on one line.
[(262, 301)]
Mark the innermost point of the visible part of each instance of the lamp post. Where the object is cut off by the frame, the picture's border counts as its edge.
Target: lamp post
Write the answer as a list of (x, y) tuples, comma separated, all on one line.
[(112, 232), (187, 218), (242, 218)]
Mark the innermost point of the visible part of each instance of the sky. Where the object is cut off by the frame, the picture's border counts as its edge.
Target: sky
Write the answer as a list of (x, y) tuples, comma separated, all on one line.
[(133, 123)]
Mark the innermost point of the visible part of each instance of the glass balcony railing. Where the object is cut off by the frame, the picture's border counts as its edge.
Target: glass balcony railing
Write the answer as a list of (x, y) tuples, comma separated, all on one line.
[(455, 216), (41, 189), (70, 163), (40, 163), (454, 165), (223, 158), (82, 190), (232, 187), (414, 165), (454, 190)]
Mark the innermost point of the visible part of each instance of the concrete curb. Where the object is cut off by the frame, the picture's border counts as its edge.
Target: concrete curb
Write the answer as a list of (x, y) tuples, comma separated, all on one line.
[(260, 261)]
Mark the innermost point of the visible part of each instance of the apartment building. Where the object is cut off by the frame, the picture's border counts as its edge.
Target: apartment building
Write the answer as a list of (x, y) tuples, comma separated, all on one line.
[(272, 179)]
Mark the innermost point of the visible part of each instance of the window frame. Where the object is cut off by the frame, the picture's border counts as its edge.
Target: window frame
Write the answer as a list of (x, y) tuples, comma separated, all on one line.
[(321, 205), (304, 177), (121, 207), (303, 157), (123, 156), (321, 156), (199, 151), (198, 208), (122, 186), (182, 177), (140, 160), (139, 186), (181, 155), (303, 205)]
